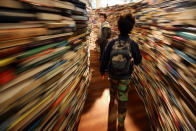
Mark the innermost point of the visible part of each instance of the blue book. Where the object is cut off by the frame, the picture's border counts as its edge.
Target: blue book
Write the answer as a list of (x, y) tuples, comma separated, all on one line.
[(184, 56), (187, 35), (33, 127), (49, 69)]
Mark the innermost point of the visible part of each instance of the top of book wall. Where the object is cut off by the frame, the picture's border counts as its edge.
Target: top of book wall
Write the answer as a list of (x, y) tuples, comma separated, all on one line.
[(63, 4), (120, 7), (87, 2)]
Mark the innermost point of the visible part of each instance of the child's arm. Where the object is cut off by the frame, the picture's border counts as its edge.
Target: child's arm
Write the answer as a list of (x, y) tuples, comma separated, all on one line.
[(106, 58), (136, 54)]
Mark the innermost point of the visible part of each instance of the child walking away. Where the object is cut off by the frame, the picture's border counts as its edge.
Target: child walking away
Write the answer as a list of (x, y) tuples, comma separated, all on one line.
[(104, 33), (119, 58)]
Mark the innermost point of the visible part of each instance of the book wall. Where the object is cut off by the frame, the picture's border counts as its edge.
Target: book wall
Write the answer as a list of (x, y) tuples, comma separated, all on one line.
[(165, 32), (166, 79), (94, 29), (44, 64)]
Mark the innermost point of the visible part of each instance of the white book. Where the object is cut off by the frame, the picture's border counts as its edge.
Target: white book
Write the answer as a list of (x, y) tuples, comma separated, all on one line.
[(80, 10), (8, 94), (5, 26), (47, 3), (48, 16), (63, 4), (61, 24), (70, 22), (11, 4), (80, 18), (16, 14), (52, 36), (67, 18)]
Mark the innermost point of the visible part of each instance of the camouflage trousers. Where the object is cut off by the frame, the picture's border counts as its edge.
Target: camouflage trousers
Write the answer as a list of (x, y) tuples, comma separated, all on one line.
[(119, 90)]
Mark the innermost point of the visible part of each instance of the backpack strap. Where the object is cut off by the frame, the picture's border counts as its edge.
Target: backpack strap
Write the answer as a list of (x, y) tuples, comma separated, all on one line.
[(130, 45)]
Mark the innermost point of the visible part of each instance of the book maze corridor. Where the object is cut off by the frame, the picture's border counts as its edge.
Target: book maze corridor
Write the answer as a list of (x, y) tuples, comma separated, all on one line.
[(49, 66)]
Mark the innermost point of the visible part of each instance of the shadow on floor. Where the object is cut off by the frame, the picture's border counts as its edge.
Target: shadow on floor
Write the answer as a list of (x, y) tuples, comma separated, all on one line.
[(97, 85)]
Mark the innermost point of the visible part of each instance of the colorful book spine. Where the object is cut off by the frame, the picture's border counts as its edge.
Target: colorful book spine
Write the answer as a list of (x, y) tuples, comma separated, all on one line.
[(43, 59)]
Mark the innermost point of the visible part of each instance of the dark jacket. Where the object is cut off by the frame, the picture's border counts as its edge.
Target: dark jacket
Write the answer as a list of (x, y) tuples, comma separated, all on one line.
[(106, 58), (105, 35), (103, 38)]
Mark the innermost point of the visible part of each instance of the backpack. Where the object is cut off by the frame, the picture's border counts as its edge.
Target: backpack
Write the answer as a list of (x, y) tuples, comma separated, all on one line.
[(120, 57)]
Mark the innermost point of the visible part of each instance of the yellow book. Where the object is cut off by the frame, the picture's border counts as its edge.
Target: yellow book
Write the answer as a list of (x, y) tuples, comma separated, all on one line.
[(7, 61), (76, 37), (27, 116), (72, 88)]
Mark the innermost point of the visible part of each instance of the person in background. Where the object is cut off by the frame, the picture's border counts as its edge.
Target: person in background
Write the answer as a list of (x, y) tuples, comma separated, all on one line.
[(119, 58), (104, 33)]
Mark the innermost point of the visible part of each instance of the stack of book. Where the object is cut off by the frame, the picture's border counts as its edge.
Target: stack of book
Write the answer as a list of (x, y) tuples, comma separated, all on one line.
[(166, 79), (166, 34), (94, 27), (44, 64)]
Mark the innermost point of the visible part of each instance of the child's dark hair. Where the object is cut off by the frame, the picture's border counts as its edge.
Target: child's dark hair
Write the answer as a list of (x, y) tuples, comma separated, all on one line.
[(104, 15), (125, 24)]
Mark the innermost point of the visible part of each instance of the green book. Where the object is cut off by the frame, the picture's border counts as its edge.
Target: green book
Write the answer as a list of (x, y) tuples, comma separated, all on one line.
[(40, 49), (22, 69)]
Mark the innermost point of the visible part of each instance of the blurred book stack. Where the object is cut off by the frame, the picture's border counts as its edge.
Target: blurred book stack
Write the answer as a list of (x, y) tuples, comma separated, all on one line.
[(44, 64), (166, 80), (94, 27)]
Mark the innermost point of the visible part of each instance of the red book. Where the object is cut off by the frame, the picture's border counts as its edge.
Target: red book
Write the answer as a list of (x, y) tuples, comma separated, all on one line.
[(7, 76)]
